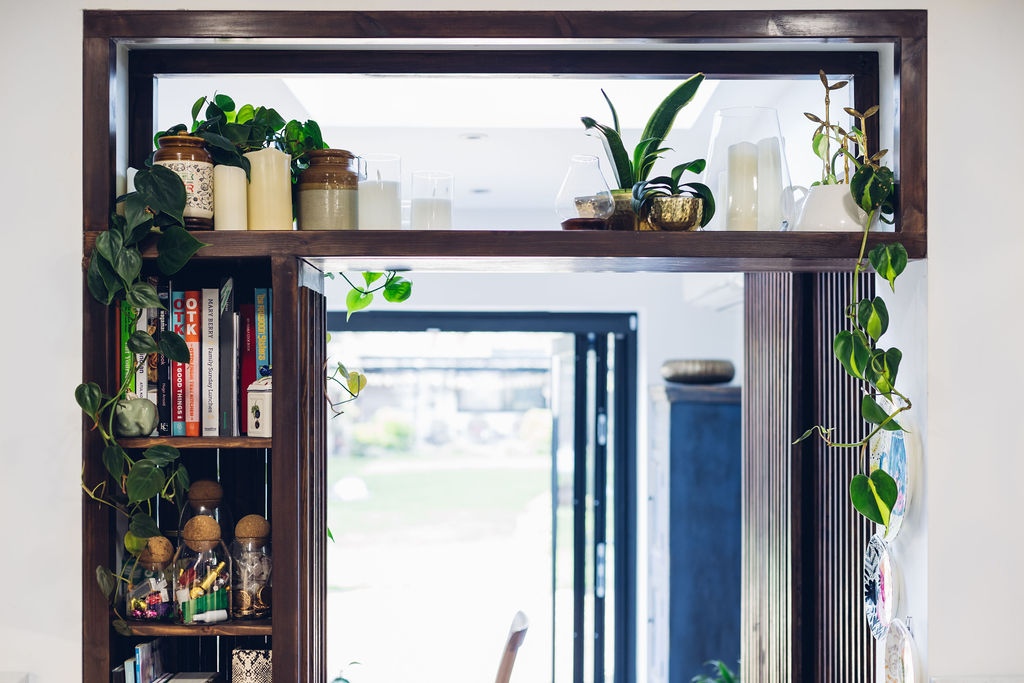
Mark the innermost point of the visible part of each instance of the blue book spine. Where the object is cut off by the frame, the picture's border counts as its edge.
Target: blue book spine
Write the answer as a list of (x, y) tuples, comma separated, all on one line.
[(178, 369), (262, 300)]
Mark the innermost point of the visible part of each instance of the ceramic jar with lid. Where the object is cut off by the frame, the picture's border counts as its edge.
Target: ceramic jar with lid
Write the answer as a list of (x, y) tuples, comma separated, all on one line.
[(328, 191), (186, 155)]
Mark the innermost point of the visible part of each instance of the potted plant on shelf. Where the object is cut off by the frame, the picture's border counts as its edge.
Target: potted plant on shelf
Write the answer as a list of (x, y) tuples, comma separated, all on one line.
[(630, 170), (663, 204), (837, 202)]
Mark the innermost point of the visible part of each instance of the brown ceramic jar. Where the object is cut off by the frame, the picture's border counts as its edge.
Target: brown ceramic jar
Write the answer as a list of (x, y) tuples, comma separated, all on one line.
[(186, 155), (328, 191)]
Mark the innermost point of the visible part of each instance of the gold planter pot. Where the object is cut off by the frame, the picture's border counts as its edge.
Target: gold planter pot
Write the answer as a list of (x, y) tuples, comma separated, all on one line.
[(675, 213), (623, 217)]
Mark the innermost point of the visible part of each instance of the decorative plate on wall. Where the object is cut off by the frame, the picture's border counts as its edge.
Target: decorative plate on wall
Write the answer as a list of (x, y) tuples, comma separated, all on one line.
[(889, 453), (881, 587), (900, 660)]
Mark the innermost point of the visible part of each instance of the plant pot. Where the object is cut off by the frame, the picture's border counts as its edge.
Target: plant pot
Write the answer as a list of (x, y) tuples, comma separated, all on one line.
[(831, 208), (677, 213), (328, 191), (186, 155), (623, 217)]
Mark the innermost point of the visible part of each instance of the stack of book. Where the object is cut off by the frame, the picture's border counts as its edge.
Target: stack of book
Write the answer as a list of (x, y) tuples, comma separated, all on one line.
[(229, 341)]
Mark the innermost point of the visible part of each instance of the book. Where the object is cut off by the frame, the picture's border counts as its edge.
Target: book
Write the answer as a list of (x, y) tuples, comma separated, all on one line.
[(178, 369), (192, 380), (163, 366), (139, 359), (148, 661), (129, 670), (247, 338), (126, 325), (197, 677), (210, 349), (262, 301), (228, 422)]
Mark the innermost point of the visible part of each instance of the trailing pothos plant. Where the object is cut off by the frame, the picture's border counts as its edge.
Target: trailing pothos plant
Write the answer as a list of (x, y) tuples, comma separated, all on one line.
[(114, 275), (629, 171), (646, 191), (857, 347)]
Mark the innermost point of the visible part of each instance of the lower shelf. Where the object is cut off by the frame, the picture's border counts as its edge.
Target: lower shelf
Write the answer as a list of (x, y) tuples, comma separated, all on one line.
[(256, 627)]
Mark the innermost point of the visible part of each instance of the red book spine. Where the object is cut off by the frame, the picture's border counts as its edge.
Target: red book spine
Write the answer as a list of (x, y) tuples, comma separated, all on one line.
[(192, 381), (178, 369), (247, 317)]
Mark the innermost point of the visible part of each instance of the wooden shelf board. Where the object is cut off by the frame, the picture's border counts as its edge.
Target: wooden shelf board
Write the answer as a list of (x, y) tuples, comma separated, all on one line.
[(256, 627), (549, 250), (198, 442)]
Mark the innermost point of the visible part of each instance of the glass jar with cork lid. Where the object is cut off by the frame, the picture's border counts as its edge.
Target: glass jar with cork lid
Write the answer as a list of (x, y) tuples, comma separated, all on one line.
[(148, 596), (328, 191), (251, 565), (202, 573), (206, 497)]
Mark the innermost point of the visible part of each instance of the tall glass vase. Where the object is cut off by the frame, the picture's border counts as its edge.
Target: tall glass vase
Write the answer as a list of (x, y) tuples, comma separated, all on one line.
[(584, 201), (747, 170)]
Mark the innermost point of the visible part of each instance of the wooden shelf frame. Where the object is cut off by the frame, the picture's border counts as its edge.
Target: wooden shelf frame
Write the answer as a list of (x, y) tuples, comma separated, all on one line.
[(189, 37), (198, 442), (255, 627)]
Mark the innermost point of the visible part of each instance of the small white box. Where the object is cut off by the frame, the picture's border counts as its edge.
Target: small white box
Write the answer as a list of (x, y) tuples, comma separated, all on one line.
[(260, 408)]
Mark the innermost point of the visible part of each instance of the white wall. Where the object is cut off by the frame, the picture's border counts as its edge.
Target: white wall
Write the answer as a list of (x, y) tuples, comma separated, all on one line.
[(975, 498)]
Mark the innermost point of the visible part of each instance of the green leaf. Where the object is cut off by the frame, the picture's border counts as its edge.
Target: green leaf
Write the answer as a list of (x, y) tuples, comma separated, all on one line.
[(615, 114), (660, 123), (143, 295), (128, 264), (108, 244), (889, 260), (695, 166), (274, 120), (173, 347), (102, 280), (823, 431), (162, 190), (196, 108), (245, 114), (397, 290), (133, 544), (138, 221), (370, 278), (224, 102), (113, 459), (175, 247), (218, 141), (330, 535), (143, 526), (144, 481), (105, 579), (874, 496), (122, 627), (852, 350), (88, 396), (819, 144), (357, 300), (161, 455), (621, 166), (876, 415), (885, 366), (704, 192), (141, 342), (871, 186), (873, 317)]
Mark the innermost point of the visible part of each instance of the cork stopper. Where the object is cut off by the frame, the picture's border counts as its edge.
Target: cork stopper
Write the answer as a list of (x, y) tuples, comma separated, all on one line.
[(252, 526), (201, 533), (204, 494), (157, 553)]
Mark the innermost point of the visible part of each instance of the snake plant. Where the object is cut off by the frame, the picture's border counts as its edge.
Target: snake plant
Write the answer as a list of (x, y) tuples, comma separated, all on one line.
[(629, 171)]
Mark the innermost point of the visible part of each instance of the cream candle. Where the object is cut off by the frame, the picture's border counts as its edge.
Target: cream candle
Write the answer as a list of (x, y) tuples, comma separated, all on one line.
[(431, 213), (269, 198), (769, 184), (230, 198), (380, 205), (741, 205)]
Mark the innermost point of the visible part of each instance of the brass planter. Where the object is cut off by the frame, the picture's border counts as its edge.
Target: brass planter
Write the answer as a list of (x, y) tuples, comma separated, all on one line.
[(675, 213), (623, 218)]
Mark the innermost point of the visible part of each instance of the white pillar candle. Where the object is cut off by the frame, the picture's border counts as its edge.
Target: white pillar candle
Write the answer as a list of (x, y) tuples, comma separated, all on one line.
[(741, 206), (769, 184), (269, 199), (430, 213), (380, 205), (230, 198)]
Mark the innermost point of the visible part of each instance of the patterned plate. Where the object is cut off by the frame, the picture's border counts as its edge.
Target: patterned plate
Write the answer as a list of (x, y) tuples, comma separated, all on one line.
[(889, 453), (900, 662), (881, 587)]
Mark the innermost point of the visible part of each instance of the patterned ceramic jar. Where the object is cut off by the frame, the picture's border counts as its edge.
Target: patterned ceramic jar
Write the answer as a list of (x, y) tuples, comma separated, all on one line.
[(186, 155)]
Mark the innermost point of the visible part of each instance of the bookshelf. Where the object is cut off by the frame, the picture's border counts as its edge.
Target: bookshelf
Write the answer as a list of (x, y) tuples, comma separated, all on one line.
[(293, 478), (183, 442)]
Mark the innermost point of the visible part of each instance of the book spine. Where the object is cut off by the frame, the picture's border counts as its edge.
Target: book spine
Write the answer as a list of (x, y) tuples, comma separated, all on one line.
[(262, 300), (236, 375), (228, 357), (210, 345), (178, 369), (193, 403), (247, 333), (163, 366), (139, 359), (126, 327)]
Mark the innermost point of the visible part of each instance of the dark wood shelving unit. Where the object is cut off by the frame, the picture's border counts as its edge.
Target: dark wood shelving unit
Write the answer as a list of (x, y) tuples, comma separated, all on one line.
[(198, 442), (255, 627), (133, 47)]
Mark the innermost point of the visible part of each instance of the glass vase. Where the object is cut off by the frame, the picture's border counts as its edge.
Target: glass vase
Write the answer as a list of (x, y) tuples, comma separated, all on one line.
[(584, 201)]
